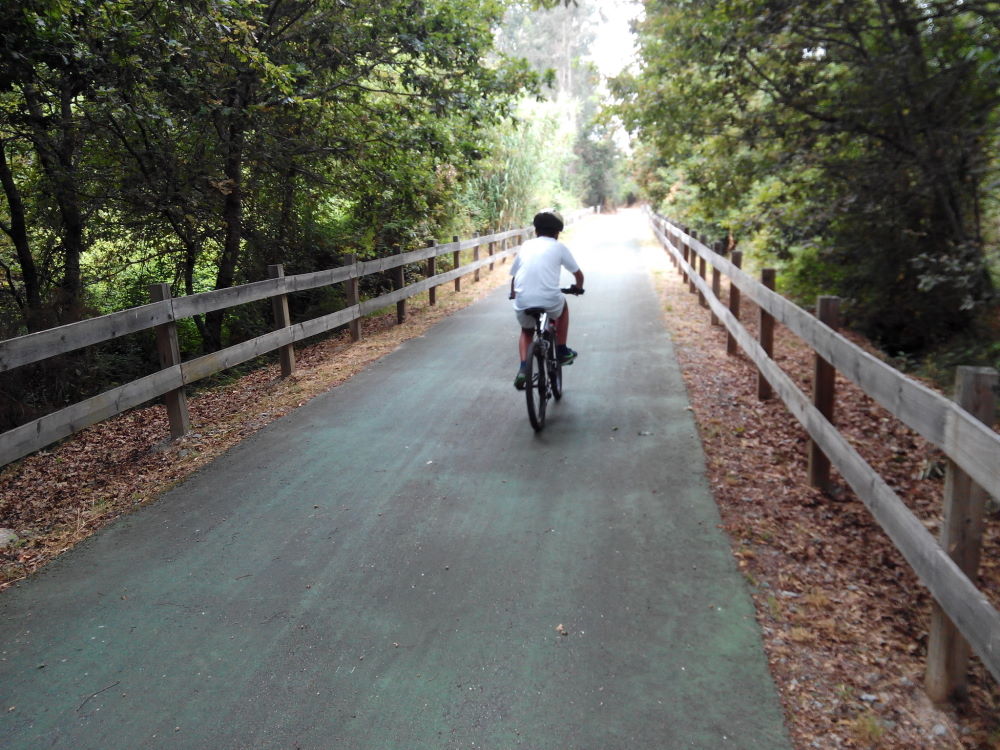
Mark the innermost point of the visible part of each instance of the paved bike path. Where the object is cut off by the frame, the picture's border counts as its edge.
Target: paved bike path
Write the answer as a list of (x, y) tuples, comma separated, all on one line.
[(387, 567)]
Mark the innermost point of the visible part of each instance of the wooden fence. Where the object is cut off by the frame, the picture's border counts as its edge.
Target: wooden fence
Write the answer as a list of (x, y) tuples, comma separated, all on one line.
[(972, 447), (163, 313)]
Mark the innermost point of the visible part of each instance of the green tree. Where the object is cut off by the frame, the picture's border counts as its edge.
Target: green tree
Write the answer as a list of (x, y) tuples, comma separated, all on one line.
[(600, 162), (229, 134), (524, 169), (49, 66), (556, 41), (858, 134)]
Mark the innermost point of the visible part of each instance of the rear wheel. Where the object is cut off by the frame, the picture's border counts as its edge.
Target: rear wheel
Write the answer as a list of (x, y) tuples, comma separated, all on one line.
[(536, 386)]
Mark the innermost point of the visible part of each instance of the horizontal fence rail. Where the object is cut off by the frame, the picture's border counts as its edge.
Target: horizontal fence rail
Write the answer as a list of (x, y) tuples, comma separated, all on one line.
[(964, 439), (970, 443), (35, 347)]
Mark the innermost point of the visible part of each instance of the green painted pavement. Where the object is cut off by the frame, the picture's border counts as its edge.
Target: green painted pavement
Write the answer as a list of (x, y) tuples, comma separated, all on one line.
[(387, 566)]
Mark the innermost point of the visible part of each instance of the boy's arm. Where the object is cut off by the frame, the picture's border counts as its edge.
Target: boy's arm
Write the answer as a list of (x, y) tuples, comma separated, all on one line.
[(578, 275), (514, 268)]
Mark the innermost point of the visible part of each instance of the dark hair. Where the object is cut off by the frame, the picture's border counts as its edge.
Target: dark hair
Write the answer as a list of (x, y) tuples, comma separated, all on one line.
[(548, 222)]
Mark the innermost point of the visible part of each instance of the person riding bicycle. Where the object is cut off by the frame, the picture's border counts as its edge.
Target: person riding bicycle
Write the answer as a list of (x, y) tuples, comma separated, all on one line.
[(535, 284)]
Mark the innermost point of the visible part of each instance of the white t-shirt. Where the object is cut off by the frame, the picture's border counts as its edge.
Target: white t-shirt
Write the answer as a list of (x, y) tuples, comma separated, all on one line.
[(536, 272)]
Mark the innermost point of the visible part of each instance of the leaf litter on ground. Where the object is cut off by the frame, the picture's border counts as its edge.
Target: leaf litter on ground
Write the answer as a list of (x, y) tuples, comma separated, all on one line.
[(59, 496), (843, 617)]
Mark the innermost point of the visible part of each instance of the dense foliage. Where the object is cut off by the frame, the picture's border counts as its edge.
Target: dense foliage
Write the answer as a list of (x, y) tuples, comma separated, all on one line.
[(568, 132), (196, 142), (853, 142), (199, 141)]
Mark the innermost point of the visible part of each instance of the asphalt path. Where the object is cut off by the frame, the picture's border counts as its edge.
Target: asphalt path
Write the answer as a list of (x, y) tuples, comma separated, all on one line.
[(403, 563)]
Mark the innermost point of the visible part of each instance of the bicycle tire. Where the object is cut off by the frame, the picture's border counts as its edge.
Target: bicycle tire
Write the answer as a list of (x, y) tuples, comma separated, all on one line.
[(536, 386), (553, 368), (555, 377)]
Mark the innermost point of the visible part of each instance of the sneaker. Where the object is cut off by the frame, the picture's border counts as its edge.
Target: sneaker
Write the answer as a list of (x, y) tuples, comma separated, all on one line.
[(520, 379), (566, 355)]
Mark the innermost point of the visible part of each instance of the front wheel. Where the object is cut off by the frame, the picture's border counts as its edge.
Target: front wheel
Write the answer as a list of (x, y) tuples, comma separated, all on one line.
[(536, 386), (553, 368), (555, 377)]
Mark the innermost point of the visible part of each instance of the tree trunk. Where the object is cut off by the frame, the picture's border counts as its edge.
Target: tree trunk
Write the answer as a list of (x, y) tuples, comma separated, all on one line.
[(234, 133), (191, 253), (285, 219), (57, 160), (19, 236)]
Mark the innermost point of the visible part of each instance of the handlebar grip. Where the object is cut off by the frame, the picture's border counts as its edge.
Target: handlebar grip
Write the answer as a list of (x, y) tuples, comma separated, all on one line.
[(572, 290)]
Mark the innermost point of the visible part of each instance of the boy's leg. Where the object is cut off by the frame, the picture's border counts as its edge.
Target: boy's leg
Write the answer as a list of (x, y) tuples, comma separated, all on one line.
[(520, 380), (524, 342), (562, 326), (566, 355)]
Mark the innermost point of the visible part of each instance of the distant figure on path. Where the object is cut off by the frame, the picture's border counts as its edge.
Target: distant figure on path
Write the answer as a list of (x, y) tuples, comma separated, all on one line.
[(535, 284)]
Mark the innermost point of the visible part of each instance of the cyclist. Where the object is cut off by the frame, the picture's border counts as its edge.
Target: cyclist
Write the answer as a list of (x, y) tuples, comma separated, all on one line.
[(535, 283)]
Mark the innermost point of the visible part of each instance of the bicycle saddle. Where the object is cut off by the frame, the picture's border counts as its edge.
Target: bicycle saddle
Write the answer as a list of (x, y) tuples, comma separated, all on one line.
[(535, 312)]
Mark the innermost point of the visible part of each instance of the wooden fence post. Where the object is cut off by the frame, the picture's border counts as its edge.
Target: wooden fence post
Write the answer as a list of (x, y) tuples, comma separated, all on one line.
[(169, 349), (690, 256), (824, 393), (734, 304), (456, 258), (685, 252), (398, 282), (490, 249), (683, 248), (353, 297), (961, 537), (701, 272), (716, 282), (282, 319), (431, 271), (475, 257), (764, 391)]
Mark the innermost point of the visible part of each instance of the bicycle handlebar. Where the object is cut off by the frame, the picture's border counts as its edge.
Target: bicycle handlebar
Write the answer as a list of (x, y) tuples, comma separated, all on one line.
[(572, 290)]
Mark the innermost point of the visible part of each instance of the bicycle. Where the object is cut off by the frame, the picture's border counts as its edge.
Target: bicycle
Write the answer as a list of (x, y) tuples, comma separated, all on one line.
[(543, 371)]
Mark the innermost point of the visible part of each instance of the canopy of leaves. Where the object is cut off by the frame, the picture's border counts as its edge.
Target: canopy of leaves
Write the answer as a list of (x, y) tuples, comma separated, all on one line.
[(851, 141), (199, 141), (574, 156)]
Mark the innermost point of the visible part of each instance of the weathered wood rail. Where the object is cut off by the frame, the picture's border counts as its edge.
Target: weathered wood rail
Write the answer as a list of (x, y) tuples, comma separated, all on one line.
[(972, 447), (163, 314)]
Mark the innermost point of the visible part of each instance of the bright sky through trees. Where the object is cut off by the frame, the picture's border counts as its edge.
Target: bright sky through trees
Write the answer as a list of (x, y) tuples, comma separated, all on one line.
[(614, 47)]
